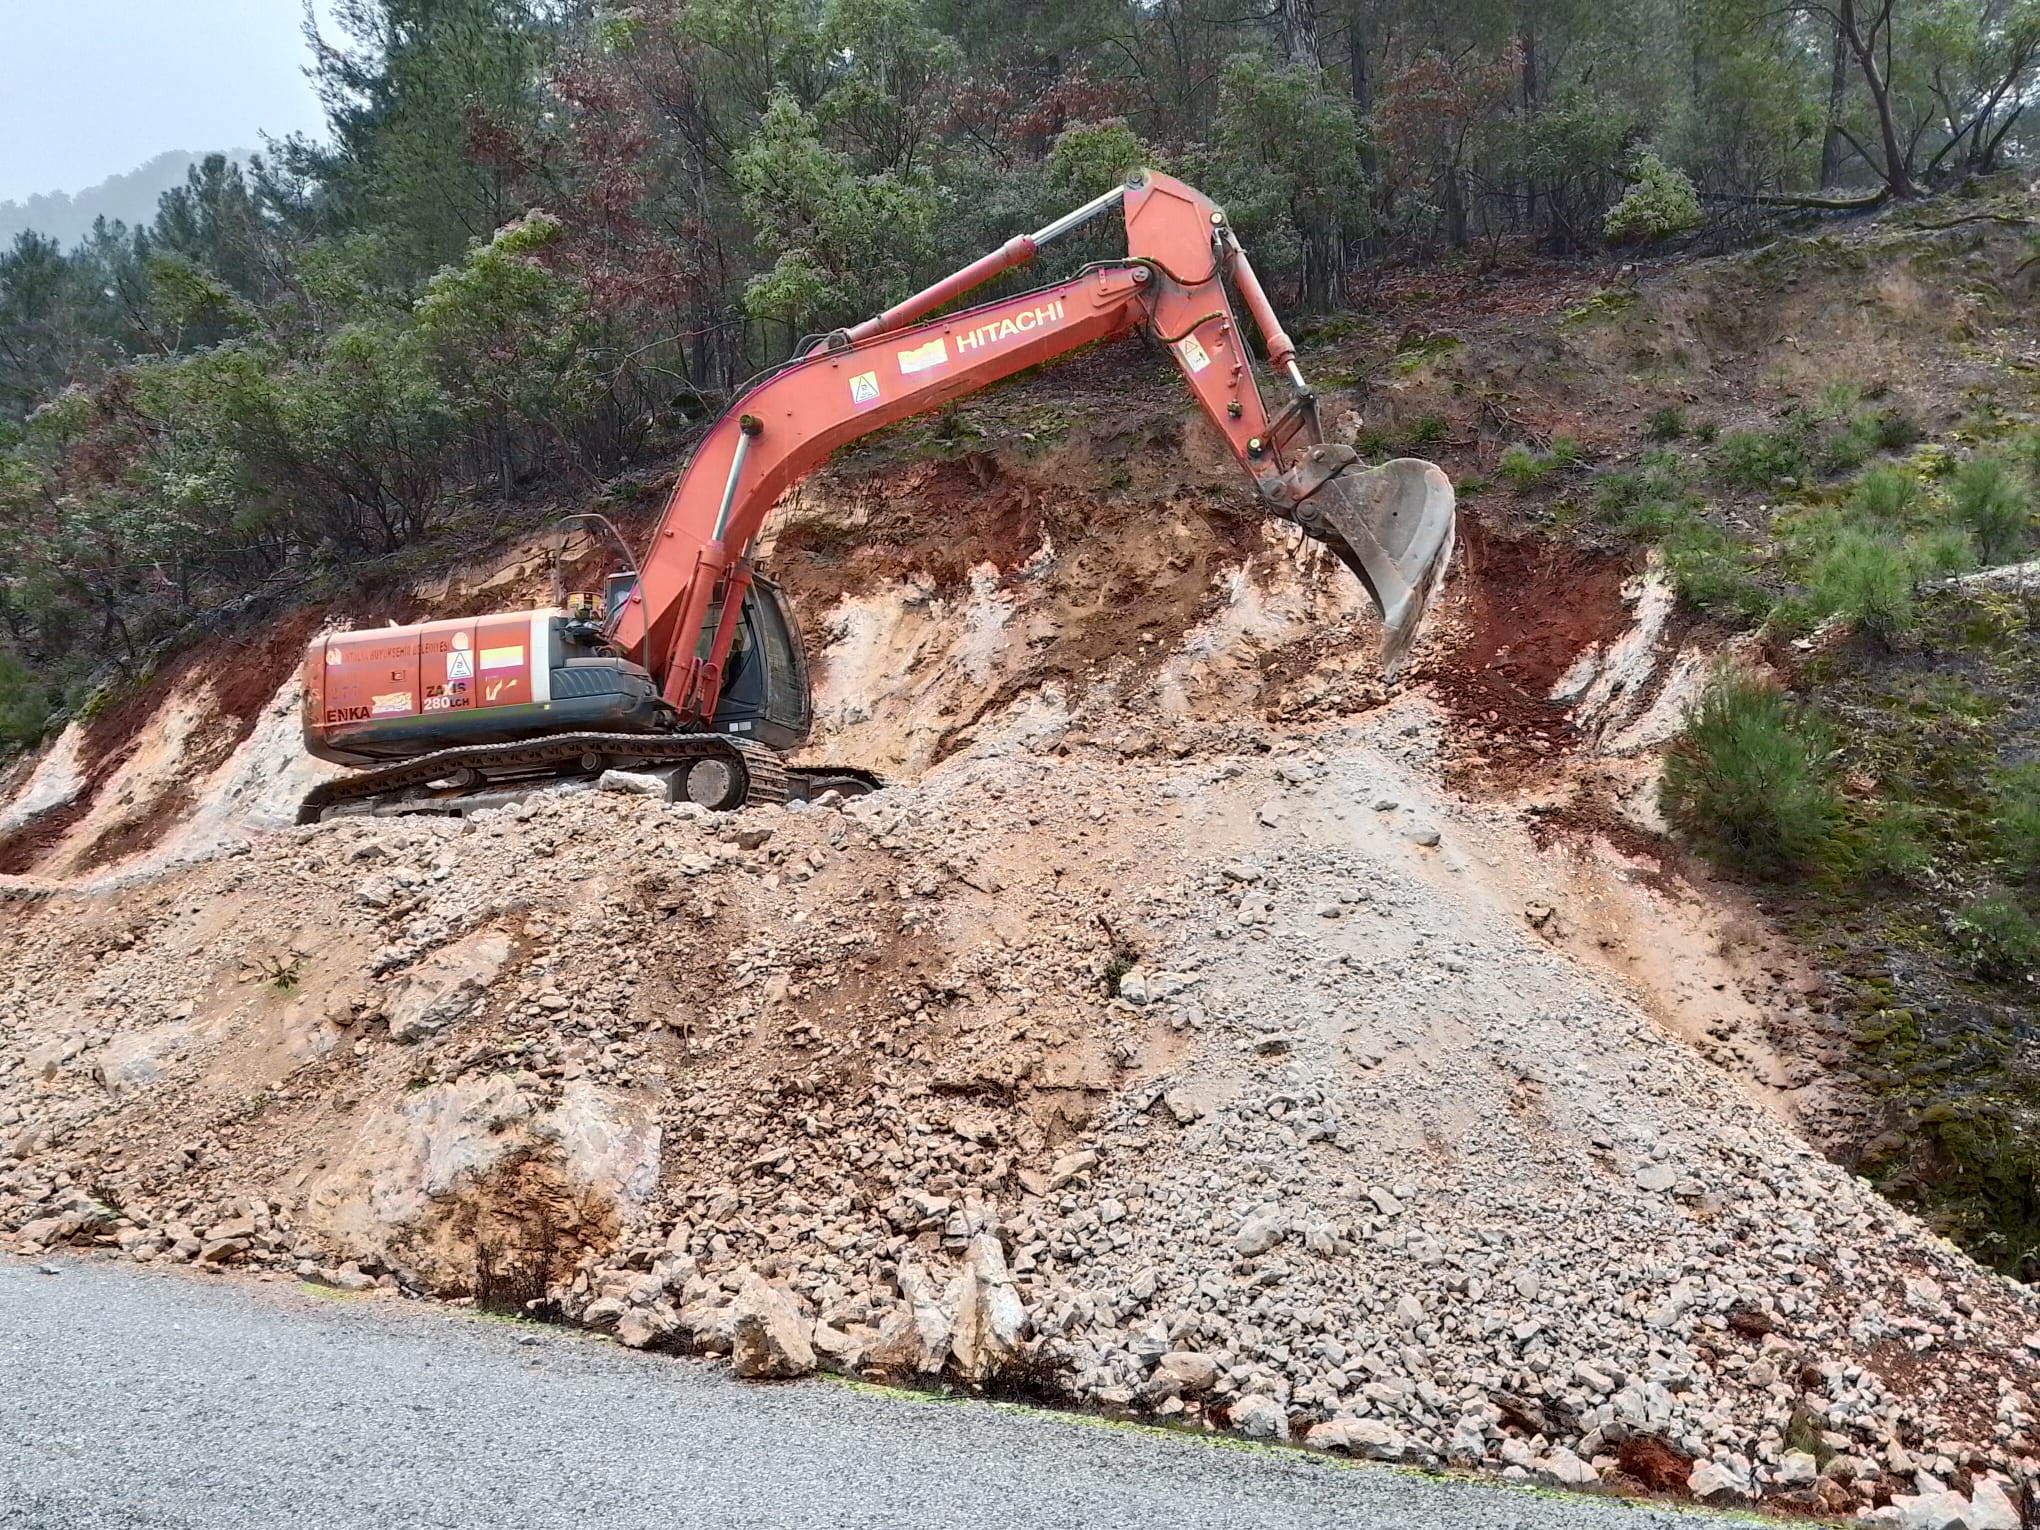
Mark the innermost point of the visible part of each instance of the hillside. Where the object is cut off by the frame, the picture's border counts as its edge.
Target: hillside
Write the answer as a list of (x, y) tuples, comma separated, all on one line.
[(1196, 1027), (130, 199)]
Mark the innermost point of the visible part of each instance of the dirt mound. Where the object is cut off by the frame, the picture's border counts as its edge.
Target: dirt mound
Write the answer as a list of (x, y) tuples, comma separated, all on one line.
[(1260, 1060)]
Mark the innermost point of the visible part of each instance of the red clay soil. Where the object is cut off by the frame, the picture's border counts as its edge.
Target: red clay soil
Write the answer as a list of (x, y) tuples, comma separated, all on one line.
[(1654, 1465), (245, 672), (1534, 607), (938, 519)]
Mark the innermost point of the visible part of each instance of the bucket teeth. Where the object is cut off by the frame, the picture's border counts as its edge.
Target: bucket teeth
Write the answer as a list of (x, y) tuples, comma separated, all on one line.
[(1393, 525)]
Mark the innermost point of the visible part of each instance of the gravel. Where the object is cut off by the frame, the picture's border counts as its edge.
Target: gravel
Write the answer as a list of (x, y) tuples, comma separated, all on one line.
[(263, 1405)]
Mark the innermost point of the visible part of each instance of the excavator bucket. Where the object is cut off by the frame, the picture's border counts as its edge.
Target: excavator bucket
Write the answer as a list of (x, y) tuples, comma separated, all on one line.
[(1393, 525)]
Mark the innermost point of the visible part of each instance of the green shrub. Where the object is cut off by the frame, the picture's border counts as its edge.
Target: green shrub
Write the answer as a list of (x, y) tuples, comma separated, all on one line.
[(1867, 581), (1706, 432), (1564, 452), (2026, 450), (2017, 820), (1653, 520), (1844, 447), (1997, 938), (1658, 203), (1711, 573), (1666, 424), (1426, 434), (1838, 401), (1522, 468), (1940, 553), (1759, 459), (1992, 500), (1616, 492), (1885, 496), (27, 701), (1750, 781), (1892, 842), (1895, 430)]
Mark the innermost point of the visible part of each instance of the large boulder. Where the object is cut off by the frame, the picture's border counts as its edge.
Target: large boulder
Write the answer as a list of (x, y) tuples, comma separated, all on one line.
[(990, 1317), (769, 1338), (446, 985), (914, 1338), (1260, 1418)]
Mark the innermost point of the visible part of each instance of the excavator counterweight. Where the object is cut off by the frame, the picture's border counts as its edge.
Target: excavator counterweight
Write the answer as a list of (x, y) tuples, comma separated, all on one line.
[(690, 671)]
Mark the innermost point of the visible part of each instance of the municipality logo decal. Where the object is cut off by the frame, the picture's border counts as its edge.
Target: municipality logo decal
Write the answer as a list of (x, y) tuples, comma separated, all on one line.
[(922, 357), (864, 388)]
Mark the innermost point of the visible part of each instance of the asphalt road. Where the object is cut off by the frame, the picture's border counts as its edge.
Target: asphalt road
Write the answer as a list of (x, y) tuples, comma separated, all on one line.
[(133, 1398)]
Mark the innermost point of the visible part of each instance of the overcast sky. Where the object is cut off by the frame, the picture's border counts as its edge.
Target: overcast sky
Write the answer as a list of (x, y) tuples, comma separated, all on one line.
[(89, 88)]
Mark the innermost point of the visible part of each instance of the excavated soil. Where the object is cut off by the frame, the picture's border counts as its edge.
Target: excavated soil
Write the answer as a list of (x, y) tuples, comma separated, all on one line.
[(1531, 608), (1198, 1028)]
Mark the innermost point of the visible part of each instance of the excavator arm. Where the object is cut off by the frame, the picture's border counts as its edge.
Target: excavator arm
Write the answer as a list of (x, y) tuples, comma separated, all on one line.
[(1392, 525)]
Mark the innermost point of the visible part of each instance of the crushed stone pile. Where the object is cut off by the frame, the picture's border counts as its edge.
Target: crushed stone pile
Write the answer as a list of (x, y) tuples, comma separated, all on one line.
[(1195, 1076)]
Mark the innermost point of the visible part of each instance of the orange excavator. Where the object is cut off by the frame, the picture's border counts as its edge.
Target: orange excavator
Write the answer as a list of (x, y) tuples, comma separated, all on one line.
[(692, 670)]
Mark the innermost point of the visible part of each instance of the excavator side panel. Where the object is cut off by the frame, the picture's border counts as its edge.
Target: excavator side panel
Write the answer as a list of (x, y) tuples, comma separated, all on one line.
[(372, 693)]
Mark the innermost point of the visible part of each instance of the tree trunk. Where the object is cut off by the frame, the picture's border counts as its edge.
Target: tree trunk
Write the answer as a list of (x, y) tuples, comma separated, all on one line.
[(1532, 193), (1833, 146), (1897, 166), (1300, 34), (1361, 82)]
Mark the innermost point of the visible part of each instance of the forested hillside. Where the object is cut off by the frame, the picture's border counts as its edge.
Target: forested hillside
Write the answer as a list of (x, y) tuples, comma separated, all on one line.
[(128, 199), (541, 236)]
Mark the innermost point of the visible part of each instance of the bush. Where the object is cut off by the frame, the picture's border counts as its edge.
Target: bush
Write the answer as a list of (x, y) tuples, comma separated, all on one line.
[(2017, 821), (27, 701), (1895, 430), (1522, 468), (1844, 447), (1991, 499), (1893, 842), (1867, 581), (1750, 781), (1997, 938), (1709, 571), (1667, 424), (1658, 203), (1941, 553), (1758, 459), (1564, 452), (1616, 492), (1885, 496)]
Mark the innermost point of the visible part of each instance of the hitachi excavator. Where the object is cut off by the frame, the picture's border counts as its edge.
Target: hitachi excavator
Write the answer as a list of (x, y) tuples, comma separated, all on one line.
[(692, 668)]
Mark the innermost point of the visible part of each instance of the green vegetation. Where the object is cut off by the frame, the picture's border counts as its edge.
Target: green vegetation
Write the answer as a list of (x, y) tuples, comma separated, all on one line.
[(1886, 805), (1666, 424), (1995, 501), (1524, 467), (2017, 821), (1658, 203), (1997, 937), (1759, 459), (1750, 783), (542, 240), (1865, 580)]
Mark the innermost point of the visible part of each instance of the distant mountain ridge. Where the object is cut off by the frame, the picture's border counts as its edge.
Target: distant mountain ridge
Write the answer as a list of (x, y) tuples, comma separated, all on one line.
[(129, 198)]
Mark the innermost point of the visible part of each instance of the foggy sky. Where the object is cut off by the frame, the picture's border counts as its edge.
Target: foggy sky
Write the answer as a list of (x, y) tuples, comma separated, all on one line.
[(91, 88)]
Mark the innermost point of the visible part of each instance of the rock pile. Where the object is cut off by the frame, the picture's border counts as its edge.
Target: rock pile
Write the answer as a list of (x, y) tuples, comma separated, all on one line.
[(1225, 1086)]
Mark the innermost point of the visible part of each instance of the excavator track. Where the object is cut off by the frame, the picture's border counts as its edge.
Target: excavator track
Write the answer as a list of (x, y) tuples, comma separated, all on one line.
[(849, 780), (766, 778)]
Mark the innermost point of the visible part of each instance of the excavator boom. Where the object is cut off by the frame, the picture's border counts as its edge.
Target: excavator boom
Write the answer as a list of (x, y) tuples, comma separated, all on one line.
[(1393, 526), (695, 669)]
